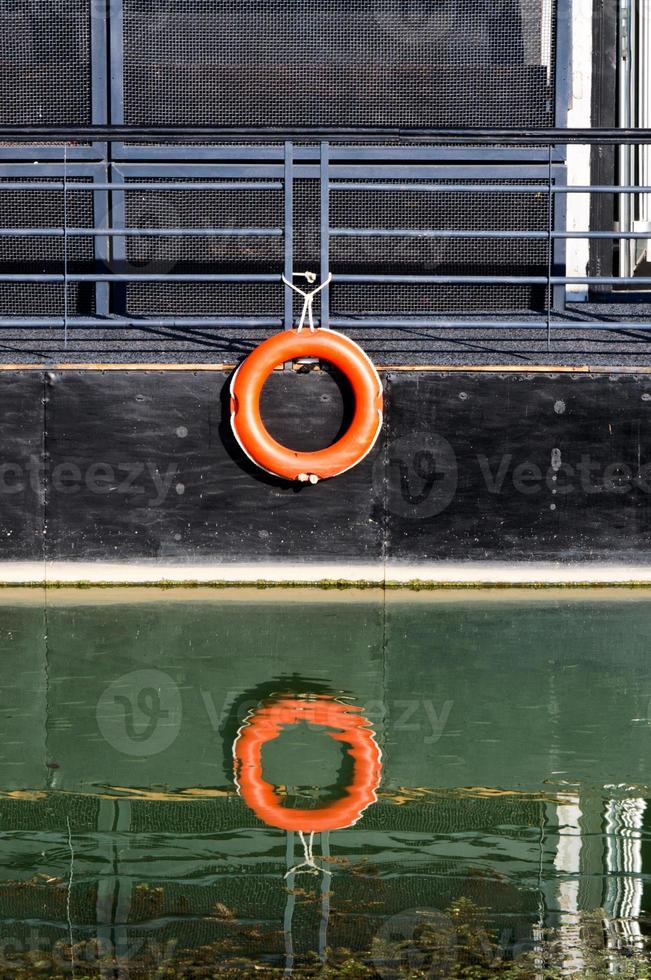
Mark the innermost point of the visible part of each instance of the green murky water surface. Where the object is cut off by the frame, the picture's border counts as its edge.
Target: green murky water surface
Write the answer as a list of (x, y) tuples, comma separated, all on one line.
[(510, 834)]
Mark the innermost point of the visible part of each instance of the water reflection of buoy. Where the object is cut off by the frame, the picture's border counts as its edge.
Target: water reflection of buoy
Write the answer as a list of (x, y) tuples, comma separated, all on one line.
[(349, 726), (345, 723)]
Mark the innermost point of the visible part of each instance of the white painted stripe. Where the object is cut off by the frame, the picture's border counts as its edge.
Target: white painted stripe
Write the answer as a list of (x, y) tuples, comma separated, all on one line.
[(520, 573), (441, 573)]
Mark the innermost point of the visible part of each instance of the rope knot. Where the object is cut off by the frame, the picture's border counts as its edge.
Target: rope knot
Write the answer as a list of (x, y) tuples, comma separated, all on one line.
[(308, 297), (309, 865)]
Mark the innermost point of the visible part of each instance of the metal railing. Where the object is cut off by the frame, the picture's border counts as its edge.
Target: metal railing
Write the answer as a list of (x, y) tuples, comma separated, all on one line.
[(121, 160)]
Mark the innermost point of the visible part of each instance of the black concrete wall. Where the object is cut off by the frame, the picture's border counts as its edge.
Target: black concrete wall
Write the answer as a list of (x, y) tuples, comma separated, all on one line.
[(141, 465)]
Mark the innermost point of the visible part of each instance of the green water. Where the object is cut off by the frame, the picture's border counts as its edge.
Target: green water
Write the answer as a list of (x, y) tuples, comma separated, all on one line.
[(511, 834)]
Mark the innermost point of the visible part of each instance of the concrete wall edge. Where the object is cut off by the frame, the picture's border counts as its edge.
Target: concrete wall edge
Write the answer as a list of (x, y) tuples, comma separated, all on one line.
[(388, 575)]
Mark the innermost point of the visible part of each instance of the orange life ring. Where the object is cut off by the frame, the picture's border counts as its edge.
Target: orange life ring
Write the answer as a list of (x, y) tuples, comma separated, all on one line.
[(350, 727), (356, 442)]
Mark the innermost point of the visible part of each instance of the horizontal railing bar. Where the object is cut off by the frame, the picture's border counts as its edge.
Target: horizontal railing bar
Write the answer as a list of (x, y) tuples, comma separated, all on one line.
[(496, 280), (340, 322), (431, 233), (365, 185), (427, 280), (512, 136), (334, 232), (474, 233), (142, 157), (142, 232), (434, 324), (139, 277), (230, 185), (89, 186), (353, 185), (190, 185), (117, 321), (35, 185)]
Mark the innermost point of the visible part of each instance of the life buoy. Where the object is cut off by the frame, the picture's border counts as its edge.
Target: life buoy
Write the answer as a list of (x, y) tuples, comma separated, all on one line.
[(349, 727), (270, 455)]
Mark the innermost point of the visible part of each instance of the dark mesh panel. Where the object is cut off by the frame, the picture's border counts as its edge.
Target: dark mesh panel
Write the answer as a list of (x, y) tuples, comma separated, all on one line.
[(410, 210), (453, 211), (205, 299), (446, 813), (44, 254), (45, 75), (49, 813), (307, 237), (208, 209), (36, 899), (335, 63)]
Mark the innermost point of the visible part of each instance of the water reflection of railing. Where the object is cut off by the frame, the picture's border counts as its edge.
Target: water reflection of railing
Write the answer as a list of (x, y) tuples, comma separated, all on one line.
[(138, 860), (624, 821)]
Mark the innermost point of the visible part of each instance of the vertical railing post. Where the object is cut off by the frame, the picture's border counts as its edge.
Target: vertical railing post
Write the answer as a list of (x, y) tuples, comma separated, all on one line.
[(116, 61), (117, 247), (325, 233), (99, 114), (119, 251), (65, 245), (289, 233), (559, 253), (102, 246), (550, 246)]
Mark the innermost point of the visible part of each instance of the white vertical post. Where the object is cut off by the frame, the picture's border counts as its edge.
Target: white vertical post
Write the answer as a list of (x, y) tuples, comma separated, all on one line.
[(627, 119), (578, 157), (568, 864), (643, 120), (623, 904), (546, 36)]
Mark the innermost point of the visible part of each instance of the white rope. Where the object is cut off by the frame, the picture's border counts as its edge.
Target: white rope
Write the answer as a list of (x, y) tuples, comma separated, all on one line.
[(290, 903), (326, 885), (308, 297), (309, 865)]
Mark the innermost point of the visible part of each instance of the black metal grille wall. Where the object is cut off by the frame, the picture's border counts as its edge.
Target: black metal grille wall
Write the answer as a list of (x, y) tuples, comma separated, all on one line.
[(45, 62), (279, 63), (241, 208), (40, 209), (338, 62), (410, 255)]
